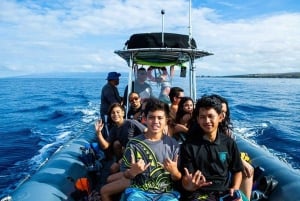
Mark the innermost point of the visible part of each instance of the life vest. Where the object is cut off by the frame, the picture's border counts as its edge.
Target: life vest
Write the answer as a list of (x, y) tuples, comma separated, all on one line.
[(83, 184)]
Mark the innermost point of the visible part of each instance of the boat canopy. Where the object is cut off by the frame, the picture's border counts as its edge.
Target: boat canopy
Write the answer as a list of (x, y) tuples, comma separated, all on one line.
[(153, 40), (151, 49), (160, 50), (161, 57)]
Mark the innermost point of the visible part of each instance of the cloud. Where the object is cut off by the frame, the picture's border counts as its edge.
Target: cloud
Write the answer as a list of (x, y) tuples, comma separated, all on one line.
[(267, 44), (81, 36)]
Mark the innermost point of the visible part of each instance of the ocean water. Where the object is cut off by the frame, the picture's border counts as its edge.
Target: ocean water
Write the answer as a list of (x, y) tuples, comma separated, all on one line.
[(38, 115)]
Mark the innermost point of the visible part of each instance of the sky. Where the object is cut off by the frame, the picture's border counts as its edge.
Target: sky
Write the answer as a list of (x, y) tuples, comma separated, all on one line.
[(55, 36)]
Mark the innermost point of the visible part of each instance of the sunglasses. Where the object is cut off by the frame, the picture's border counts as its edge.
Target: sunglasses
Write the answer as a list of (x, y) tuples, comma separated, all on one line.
[(134, 99)]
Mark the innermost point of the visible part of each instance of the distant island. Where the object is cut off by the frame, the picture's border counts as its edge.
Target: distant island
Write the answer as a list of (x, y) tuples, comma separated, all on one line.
[(263, 75), (294, 75)]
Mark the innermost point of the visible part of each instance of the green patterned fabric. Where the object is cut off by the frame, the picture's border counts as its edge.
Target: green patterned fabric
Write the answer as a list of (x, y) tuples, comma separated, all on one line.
[(155, 179)]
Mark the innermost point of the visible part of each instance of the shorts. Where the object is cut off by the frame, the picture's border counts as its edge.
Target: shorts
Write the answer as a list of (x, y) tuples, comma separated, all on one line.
[(136, 194)]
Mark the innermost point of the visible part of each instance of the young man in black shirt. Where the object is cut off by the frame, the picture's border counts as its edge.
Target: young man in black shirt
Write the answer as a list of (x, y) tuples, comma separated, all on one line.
[(209, 160)]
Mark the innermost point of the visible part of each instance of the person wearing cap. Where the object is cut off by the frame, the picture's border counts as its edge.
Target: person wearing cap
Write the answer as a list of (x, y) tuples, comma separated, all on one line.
[(110, 93)]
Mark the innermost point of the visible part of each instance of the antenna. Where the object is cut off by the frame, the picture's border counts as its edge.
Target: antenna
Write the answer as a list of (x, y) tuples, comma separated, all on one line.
[(162, 28), (190, 24)]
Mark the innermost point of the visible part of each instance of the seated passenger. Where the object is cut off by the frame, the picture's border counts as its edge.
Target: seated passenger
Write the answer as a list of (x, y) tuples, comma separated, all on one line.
[(121, 131), (165, 87), (226, 126), (150, 159), (210, 161), (176, 93), (135, 106), (177, 131), (139, 86), (185, 110), (141, 117)]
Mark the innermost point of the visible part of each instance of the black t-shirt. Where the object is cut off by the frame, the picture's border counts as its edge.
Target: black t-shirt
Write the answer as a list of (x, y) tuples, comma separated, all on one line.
[(132, 112), (129, 129), (214, 159)]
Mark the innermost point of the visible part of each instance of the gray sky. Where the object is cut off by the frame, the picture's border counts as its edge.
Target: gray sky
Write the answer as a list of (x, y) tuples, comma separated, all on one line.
[(81, 35)]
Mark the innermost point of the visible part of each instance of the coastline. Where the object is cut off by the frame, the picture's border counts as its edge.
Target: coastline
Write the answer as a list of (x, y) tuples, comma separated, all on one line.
[(293, 75)]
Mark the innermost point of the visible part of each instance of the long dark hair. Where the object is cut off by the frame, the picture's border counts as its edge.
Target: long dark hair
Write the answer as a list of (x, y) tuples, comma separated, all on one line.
[(226, 125), (180, 112)]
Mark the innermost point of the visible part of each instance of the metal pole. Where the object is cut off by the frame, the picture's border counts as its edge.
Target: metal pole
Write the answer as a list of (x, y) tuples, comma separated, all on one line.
[(162, 28), (193, 84), (130, 77), (190, 24)]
